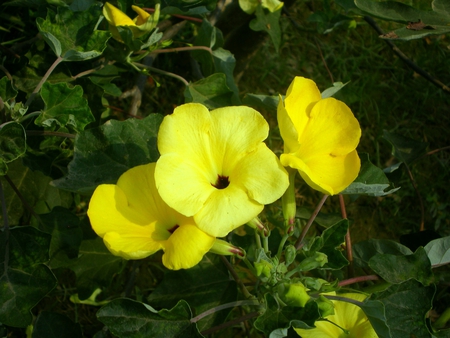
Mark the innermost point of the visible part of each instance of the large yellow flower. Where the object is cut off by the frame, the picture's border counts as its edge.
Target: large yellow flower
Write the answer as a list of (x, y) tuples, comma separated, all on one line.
[(140, 25), (215, 167), (134, 222), (320, 137), (348, 317)]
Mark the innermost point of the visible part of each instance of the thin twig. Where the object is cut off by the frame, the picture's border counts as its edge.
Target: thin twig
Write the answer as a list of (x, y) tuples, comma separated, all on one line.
[(348, 240), (358, 279), (406, 60), (49, 133), (178, 49), (323, 61), (236, 278), (163, 72), (300, 243), (223, 307), (231, 323)]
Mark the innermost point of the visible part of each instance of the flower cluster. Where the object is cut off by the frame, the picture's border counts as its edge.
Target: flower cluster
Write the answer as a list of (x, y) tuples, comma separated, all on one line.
[(215, 173)]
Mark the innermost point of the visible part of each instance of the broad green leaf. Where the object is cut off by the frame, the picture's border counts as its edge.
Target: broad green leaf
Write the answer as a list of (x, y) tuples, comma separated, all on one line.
[(212, 92), (374, 310), (365, 250), (55, 325), (398, 269), (330, 243), (94, 267), (103, 154), (371, 180), (276, 317), (64, 107), (12, 144), (188, 7), (405, 149), (268, 21), (204, 287), (438, 251), (406, 34), (72, 35), (329, 92), (266, 102), (406, 307), (103, 78), (7, 91), (132, 319), (40, 195), (224, 62), (64, 227), (24, 280)]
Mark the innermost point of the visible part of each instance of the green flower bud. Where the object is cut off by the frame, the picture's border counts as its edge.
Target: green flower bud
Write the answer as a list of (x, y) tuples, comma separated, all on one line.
[(318, 260), (263, 268), (296, 294), (289, 253), (326, 306)]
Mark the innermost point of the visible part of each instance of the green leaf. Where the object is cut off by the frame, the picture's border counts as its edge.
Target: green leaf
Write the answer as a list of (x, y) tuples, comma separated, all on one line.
[(276, 317), (204, 287), (330, 243), (72, 35), (371, 180), (406, 307), (65, 230), (55, 325), (188, 7), (212, 92), (266, 102), (405, 149), (398, 269), (64, 107), (268, 21), (375, 311), (103, 78), (24, 280), (94, 267), (329, 92), (132, 319), (12, 144), (224, 62), (7, 91), (103, 154), (365, 250), (438, 251)]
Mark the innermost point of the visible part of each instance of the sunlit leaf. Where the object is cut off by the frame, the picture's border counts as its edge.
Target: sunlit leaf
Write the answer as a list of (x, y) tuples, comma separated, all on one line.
[(268, 21), (132, 319), (103, 154), (212, 92)]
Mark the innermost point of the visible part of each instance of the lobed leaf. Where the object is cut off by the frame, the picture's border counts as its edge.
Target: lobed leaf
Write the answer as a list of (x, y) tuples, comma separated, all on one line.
[(12, 144), (438, 251), (212, 92)]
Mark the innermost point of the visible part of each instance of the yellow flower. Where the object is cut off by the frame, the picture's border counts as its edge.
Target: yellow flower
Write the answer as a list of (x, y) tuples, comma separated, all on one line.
[(140, 25), (320, 137), (348, 317), (134, 222), (215, 167)]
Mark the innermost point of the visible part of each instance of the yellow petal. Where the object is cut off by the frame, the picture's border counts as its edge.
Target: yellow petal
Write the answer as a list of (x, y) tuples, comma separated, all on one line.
[(136, 243), (287, 129), (301, 95), (186, 247), (261, 174), (116, 17), (142, 15), (225, 210)]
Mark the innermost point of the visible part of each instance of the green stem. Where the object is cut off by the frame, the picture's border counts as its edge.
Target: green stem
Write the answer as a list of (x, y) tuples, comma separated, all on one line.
[(281, 246), (258, 239), (49, 133), (266, 244), (163, 72), (224, 306), (44, 78), (236, 278), (300, 241), (288, 201), (442, 320)]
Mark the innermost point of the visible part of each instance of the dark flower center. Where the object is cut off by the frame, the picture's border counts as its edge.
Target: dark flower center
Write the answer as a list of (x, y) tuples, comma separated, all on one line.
[(172, 230), (222, 182)]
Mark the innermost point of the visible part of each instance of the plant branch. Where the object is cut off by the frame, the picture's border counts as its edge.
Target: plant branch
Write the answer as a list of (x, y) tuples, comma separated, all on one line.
[(300, 241), (348, 240), (406, 60), (223, 307), (44, 78), (230, 323), (163, 72), (236, 278), (49, 133), (324, 62), (344, 299), (358, 280)]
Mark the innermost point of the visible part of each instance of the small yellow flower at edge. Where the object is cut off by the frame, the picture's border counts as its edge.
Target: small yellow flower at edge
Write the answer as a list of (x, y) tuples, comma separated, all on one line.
[(320, 137), (215, 167), (134, 222), (346, 316), (140, 25)]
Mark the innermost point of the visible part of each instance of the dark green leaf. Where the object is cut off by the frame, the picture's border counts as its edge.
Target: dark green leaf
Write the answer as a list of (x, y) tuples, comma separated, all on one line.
[(81, 5), (438, 251), (268, 21), (330, 243), (364, 251), (94, 267), (405, 149), (398, 269), (23, 279), (224, 62), (103, 78), (409, 34), (276, 317), (374, 310), (204, 286), (12, 143), (71, 35), (103, 154), (212, 92), (132, 319), (406, 307), (188, 7), (55, 325), (266, 102), (371, 180), (7, 91)]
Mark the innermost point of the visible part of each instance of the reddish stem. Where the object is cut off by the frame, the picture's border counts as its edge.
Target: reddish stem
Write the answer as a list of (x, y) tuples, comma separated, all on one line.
[(358, 280)]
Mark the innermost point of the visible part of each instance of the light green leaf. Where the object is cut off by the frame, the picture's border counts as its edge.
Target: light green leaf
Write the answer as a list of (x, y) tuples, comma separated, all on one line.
[(64, 107), (132, 319), (12, 144), (103, 154), (269, 22), (329, 92), (438, 251), (212, 92)]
